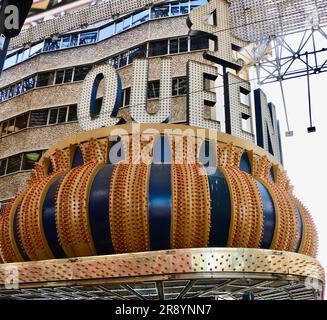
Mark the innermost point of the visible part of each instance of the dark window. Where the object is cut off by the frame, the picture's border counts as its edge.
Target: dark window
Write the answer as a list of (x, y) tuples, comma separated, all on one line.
[(62, 115), (173, 46), (123, 59), (65, 42), (4, 128), (60, 76), (158, 48), (88, 37), (19, 88), (68, 75), (45, 79), (139, 52), (53, 116), (199, 43), (140, 17), (72, 115), (81, 72), (97, 108), (74, 40), (160, 12), (29, 83), (127, 97), (153, 89), (115, 61), (3, 165), (38, 118), (52, 44), (21, 122), (4, 94), (12, 91), (183, 44), (106, 32), (14, 163), (30, 158)]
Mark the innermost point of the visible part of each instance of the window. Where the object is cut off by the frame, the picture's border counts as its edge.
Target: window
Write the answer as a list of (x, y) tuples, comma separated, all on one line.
[(65, 43), (10, 61), (173, 46), (140, 17), (199, 43), (21, 122), (175, 9), (14, 164), (3, 166), (81, 72), (72, 114), (154, 89), (126, 97), (179, 86), (183, 44), (74, 40), (160, 12), (53, 116), (29, 83), (107, 32), (4, 128), (68, 75), (60, 77), (30, 158), (139, 52), (52, 44), (245, 96), (119, 26), (38, 118), (158, 48), (45, 79), (123, 59), (184, 7), (11, 126), (88, 37), (4, 94), (246, 123), (62, 115), (197, 3), (127, 23), (114, 61)]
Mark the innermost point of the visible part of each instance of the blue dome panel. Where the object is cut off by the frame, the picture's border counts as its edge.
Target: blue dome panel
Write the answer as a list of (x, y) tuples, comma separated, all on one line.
[(160, 206), (78, 158), (300, 230), (220, 210), (99, 211), (245, 164), (269, 216), (49, 220)]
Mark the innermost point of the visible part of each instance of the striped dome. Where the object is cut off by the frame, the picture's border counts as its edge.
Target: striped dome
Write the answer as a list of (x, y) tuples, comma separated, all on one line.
[(78, 203)]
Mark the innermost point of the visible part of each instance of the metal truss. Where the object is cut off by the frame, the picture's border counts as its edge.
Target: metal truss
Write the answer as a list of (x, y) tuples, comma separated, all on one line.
[(265, 287), (292, 56)]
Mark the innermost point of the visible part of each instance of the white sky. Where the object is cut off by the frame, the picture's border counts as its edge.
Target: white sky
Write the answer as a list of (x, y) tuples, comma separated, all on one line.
[(305, 154)]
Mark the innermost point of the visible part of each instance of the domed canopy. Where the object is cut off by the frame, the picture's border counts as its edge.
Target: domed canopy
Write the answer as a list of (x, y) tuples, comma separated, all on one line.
[(159, 190)]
